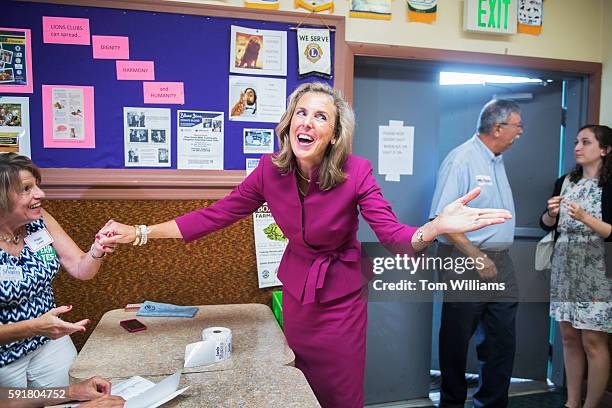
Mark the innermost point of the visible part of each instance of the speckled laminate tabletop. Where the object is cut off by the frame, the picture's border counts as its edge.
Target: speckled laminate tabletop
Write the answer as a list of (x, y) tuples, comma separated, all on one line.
[(275, 386), (112, 352)]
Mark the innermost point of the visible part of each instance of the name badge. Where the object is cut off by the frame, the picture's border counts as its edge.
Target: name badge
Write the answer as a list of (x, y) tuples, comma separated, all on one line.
[(484, 180), (11, 273), (38, 240)]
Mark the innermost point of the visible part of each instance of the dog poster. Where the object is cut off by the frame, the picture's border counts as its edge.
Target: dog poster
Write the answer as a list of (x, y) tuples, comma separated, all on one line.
[(258, 52)]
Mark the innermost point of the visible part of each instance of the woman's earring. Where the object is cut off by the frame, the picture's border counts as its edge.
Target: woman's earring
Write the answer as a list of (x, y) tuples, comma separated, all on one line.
[(333, 141)]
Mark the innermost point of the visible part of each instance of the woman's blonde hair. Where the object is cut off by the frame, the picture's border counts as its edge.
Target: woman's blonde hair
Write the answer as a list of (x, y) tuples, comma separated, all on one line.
[(330, 171), (11, 164)]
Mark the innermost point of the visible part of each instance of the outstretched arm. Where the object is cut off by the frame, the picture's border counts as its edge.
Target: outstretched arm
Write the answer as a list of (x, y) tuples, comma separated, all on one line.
[(458, 218), (79, 264), (117, 233)]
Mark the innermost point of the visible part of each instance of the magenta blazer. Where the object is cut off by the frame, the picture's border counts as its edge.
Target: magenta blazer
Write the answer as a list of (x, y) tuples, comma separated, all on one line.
[(322, 259)]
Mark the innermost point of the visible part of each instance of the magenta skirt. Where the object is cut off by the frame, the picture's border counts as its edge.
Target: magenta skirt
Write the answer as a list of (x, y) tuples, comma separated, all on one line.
[(329, 342)]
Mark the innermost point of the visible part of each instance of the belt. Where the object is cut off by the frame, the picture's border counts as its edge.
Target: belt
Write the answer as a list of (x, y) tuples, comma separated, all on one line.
[(319, 267)]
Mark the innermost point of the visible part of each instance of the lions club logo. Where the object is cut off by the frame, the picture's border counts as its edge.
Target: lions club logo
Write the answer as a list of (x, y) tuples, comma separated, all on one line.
[(313, 52)]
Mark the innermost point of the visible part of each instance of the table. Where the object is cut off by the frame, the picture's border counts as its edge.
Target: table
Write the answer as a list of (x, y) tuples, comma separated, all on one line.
[(112, 352), (282, 387)]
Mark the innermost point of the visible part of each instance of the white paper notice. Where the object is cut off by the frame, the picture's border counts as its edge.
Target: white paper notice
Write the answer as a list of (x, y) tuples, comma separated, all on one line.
[(68, 107), (253, 99), (147, 137), (395, 150), (270, 244), (200, 140), (258, 52), (139, 392), (15, 125), (251, 164)]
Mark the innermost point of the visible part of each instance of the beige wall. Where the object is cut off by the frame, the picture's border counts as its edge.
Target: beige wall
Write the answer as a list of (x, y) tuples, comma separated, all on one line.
[(570, 32), (606, 86)]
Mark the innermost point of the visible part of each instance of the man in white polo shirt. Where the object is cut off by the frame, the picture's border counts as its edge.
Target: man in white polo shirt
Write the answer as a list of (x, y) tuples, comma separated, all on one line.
[(478, 163)]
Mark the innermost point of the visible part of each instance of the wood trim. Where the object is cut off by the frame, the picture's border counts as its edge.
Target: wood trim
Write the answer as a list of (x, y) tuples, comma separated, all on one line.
[(592, 70), (120, 184)]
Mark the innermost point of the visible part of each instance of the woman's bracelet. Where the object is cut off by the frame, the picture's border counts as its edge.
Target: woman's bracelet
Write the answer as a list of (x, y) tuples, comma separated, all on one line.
[(142, 233), (91, 253)]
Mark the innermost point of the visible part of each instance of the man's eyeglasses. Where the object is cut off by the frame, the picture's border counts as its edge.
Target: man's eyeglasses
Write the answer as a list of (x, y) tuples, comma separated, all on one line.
[(517, 125)]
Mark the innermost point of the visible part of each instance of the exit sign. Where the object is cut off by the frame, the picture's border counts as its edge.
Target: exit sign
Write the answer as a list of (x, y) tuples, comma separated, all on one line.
[(490, 16)]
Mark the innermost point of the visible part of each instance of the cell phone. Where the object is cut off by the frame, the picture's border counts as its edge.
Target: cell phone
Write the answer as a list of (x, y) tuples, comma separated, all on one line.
[(132, 325)]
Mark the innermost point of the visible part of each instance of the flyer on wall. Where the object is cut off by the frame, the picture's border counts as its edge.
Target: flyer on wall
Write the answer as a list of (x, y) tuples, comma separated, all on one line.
[(146, 137), (68, 116), (258, 141), (258, 52), (200, 140), (270, 244), (15, 125), (253, 99), (68, 107), (15, 61)]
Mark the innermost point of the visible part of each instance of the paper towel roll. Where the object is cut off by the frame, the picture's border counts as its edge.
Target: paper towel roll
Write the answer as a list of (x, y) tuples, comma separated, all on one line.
[(216, 345)]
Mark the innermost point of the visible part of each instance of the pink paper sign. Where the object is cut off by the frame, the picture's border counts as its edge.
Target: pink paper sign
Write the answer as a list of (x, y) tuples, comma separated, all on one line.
[(136, 70), (68, 117), (16, 76), (110, 47), (66, 30), (164, 92)]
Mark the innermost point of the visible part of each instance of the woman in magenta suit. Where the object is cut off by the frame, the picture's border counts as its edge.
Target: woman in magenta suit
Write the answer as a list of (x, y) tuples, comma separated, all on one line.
[(315, 190)]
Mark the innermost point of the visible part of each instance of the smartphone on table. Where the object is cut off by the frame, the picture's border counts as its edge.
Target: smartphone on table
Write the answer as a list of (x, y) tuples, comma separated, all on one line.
[(132, 325)]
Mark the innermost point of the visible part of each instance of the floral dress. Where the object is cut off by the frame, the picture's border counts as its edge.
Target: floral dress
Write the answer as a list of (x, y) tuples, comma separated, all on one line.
[(580, 290)]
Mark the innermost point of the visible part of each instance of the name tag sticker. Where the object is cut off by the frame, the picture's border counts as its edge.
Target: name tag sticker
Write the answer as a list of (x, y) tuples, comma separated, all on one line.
[(39, 239), (11, 273), (483, 180)]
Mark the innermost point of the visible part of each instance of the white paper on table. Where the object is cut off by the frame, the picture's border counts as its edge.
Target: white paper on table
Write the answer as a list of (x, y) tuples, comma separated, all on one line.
[(200, 353), (142, 393), (395, 150), (139, 392)]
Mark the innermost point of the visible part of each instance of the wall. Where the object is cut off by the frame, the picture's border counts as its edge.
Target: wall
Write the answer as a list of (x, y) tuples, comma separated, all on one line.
[(583, 42)]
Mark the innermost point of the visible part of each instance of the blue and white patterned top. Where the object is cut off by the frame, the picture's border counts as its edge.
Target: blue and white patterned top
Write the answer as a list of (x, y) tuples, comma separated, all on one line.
[(29, 297)]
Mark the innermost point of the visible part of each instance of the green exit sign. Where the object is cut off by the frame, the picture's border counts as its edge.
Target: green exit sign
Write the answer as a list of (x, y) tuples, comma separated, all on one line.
[(490, 16)]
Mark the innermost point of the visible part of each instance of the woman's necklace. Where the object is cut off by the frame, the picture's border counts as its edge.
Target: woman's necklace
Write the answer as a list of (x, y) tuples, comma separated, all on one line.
[(12, 239), (300, 190), (301, 175)]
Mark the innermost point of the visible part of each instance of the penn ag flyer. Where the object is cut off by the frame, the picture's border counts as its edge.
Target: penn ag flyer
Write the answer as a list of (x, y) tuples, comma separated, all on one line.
[(270, 244), (200, 140)]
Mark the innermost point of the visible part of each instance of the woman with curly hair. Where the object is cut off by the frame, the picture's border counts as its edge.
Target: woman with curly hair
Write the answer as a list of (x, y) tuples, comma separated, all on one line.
[(581, 212)]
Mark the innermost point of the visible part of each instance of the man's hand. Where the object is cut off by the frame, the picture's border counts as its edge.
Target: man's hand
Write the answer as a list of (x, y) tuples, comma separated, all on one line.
[(489, 270), (92, 388)]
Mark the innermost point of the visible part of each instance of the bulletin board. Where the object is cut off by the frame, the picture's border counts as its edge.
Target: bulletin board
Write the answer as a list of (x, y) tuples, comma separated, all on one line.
[(192, 49)]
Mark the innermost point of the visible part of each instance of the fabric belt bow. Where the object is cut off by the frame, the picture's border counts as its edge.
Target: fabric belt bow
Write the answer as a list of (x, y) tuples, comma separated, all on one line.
[(319, 267)]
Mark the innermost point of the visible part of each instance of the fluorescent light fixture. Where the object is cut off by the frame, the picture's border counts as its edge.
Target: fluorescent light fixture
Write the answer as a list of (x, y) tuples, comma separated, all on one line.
[(462, 78)]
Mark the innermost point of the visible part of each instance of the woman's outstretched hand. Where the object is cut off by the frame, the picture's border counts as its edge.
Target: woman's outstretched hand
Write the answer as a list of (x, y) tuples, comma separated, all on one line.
[(457, 217)]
